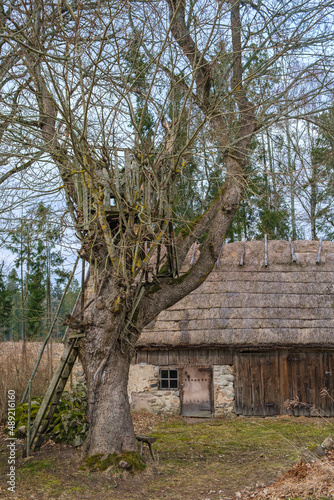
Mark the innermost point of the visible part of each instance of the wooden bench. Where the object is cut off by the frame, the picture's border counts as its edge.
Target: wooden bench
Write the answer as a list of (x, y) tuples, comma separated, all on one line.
[(149, 441)]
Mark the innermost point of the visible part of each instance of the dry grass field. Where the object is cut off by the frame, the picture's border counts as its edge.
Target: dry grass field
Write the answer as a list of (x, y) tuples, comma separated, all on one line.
[(17, 361)]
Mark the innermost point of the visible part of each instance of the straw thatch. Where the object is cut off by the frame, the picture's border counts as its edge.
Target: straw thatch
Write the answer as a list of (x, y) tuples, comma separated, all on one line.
[(285, 303)]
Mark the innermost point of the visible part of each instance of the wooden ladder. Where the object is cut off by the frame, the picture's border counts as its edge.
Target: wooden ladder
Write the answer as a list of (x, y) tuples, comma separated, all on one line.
[(54, 392)]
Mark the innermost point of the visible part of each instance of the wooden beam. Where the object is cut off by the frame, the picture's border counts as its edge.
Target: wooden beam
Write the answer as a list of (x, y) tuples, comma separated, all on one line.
[(243, 255), (265, 250), (319, 252), (294, 258)]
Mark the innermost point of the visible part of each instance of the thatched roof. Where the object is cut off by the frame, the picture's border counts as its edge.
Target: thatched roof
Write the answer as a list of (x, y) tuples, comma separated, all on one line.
[(285, 303)]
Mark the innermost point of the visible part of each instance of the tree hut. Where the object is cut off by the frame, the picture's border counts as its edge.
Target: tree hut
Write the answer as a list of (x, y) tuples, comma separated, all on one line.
[(256, 338)]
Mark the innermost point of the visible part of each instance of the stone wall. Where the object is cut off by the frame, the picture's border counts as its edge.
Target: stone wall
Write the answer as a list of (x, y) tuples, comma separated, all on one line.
[(144, 392), (223, 386)]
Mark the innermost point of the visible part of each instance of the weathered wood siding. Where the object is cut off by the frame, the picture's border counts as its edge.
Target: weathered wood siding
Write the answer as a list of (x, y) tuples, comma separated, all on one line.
[(185, 357), (284, 304), (264, 382)]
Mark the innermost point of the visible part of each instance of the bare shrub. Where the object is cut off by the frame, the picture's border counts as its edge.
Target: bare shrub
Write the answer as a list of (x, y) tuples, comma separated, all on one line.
[(313, 410), (302, 481)]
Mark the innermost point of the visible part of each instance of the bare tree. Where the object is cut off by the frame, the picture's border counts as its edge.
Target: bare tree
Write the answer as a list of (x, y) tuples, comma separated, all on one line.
[(91, 89)]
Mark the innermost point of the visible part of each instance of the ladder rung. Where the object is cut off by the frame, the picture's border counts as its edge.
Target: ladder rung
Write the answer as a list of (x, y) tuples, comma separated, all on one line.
[(53, 394)]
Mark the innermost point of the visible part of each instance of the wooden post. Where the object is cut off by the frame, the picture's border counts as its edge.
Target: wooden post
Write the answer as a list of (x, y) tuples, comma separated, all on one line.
[(116, 172), (104, 178), (319, 252), (29, 419), (82, 289), (158, 259), (265, 250), (146, 252), (294, 258), (243, 255)]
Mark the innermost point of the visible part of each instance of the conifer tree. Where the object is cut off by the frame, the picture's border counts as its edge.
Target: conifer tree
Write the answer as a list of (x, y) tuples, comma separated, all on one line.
[(5, 305)]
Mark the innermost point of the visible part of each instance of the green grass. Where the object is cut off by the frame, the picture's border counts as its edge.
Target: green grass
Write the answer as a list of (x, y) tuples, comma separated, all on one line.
[(36, 465), (231, 437)]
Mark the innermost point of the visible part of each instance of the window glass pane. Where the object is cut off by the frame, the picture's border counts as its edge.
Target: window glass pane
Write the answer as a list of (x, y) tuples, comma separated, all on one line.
[(164, 384), (173, 384), (173, 373), (164, 373)]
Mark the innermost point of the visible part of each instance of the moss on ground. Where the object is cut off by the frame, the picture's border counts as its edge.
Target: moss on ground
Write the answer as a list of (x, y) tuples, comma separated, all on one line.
[(37, 465), (99, 463)]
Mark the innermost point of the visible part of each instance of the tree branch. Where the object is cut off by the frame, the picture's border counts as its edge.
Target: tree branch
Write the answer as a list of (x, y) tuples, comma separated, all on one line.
[(200, 65), (20, 168), (214, 224)]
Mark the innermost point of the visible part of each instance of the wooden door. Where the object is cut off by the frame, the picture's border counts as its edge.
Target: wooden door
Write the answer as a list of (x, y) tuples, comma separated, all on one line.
[(310, 376), (301, 382), (266, 381), (196, 392), (257, 383)]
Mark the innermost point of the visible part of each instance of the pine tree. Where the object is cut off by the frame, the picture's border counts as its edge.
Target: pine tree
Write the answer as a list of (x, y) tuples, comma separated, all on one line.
[(5, 305), (13, 284)]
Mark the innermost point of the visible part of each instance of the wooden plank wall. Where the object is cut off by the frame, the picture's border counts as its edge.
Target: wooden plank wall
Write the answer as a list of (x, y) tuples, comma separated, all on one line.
[(265, 382)]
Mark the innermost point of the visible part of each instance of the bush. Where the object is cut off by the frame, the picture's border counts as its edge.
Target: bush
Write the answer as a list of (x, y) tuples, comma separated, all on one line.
[(69, 424)]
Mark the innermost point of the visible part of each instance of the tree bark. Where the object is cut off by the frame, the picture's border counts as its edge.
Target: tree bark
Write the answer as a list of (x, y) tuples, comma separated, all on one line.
[(106, 356), (111, 428)]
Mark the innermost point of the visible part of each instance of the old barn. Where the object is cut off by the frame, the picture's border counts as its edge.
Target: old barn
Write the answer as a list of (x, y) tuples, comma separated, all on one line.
[(256, 334)]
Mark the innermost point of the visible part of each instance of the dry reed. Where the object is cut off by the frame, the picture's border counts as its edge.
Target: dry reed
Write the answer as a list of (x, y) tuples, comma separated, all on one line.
[(17, 361)]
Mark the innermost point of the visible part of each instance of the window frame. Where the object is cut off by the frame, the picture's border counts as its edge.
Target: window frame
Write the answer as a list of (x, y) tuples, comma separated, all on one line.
[(169, 379)]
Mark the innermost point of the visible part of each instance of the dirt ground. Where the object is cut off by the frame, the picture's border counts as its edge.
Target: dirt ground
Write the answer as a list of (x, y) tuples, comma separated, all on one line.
[(209, 459)]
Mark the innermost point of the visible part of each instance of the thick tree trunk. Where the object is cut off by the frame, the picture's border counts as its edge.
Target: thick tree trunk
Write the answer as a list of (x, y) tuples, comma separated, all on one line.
[(106, 358), (111, 428)]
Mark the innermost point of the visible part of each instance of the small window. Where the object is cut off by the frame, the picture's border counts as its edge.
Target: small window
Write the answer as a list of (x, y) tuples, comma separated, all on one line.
[(168, 379)]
